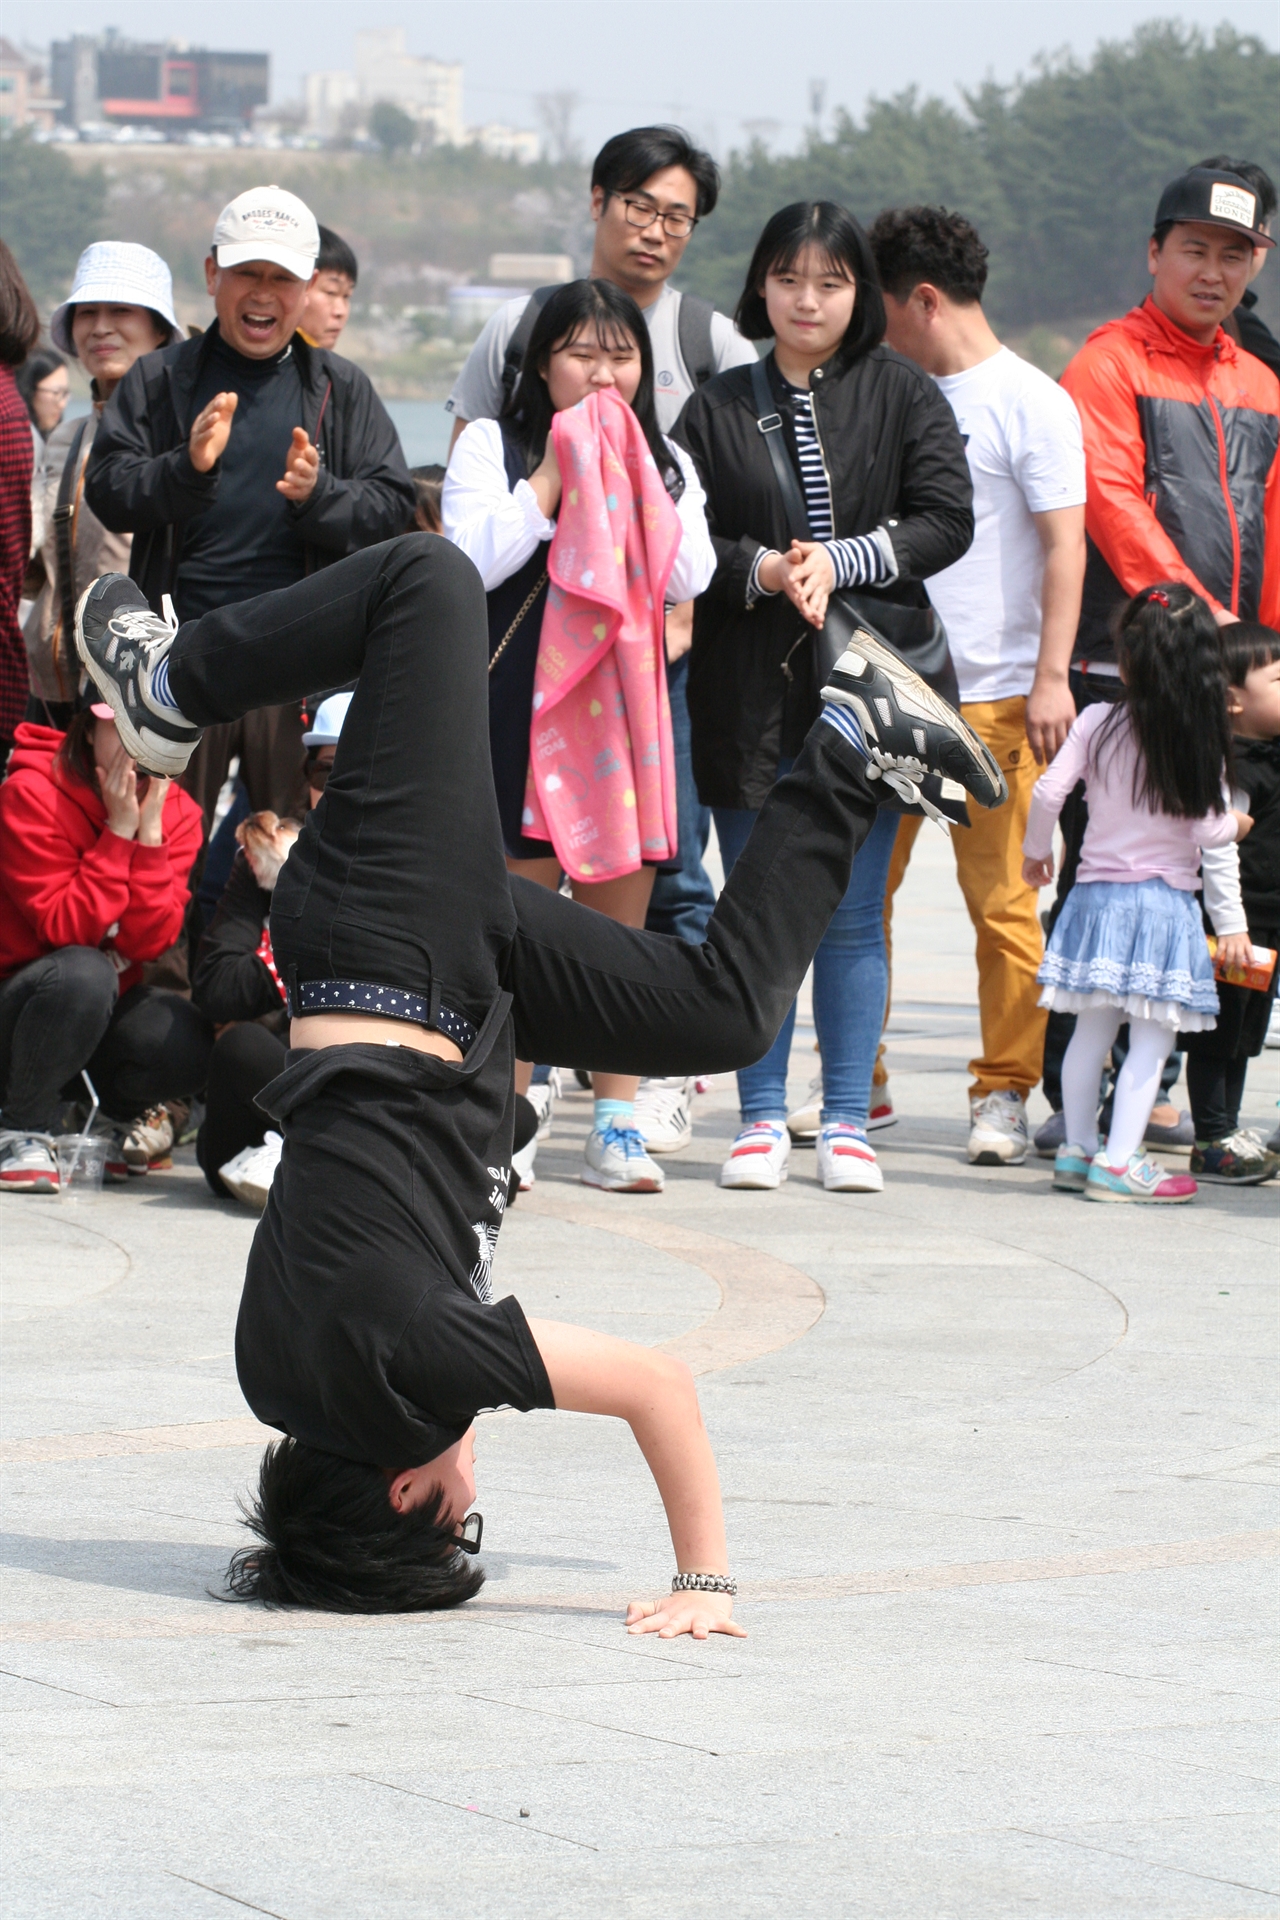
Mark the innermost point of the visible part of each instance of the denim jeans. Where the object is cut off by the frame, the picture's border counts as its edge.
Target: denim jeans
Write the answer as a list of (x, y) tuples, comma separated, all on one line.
[(850, 984), (683, 897)]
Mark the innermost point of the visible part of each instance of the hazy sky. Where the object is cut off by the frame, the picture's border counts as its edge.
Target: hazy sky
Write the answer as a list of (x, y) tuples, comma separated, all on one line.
[(717, 65)]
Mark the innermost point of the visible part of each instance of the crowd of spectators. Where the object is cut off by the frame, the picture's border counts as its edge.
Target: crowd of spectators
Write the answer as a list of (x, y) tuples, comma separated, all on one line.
[(855, 444)]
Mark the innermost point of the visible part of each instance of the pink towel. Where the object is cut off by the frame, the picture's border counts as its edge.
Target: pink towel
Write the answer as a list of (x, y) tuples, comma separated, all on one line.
[(601, 782)]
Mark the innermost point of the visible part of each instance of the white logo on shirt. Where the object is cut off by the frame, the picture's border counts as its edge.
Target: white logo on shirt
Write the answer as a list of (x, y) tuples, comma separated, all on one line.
[(481, 1273)]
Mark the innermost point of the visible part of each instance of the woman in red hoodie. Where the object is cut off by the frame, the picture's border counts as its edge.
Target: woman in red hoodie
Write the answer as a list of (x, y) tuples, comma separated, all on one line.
[(94, 862)]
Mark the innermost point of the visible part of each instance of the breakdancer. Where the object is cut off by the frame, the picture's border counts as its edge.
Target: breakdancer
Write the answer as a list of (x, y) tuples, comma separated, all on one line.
[(417, 971)]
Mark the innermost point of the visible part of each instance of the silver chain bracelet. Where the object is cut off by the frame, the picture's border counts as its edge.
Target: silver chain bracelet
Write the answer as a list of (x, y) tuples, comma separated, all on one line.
[(704, 1583)]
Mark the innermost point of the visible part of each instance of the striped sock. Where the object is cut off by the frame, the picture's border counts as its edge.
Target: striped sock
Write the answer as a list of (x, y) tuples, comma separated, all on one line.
[(846, 723), (160, 686)]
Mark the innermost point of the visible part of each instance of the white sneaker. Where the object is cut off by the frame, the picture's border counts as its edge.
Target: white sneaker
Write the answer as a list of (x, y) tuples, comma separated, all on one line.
[(664, 1113), (846, 1163), (1272, 1036), (758, 1157), (998, 1134), (27, 1164), (522, 1162), (804, 1123), (542, 1100), (616, 1160), (250, 1174)]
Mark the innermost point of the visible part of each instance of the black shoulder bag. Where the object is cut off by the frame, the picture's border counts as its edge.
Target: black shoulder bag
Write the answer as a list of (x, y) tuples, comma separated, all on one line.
[(915, 634)]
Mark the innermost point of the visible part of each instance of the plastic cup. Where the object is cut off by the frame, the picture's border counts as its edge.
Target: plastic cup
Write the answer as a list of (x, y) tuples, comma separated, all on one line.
[(81, 1164)]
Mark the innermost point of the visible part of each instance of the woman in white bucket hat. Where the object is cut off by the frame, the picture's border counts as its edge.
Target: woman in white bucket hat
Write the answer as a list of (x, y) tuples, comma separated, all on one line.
[(120, 307)]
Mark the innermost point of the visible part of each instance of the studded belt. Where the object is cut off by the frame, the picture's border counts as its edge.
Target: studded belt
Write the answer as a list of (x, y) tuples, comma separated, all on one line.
[(364, 996)]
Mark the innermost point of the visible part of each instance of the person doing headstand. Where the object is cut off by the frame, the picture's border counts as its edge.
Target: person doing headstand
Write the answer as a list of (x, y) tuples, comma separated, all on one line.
[(417, 971)]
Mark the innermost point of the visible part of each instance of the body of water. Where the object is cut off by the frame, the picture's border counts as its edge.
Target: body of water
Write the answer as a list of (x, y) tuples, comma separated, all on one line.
[(424, 428)]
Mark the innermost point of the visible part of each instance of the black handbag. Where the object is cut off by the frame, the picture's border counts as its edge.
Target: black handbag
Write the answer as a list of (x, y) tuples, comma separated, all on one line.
[(915, 634)]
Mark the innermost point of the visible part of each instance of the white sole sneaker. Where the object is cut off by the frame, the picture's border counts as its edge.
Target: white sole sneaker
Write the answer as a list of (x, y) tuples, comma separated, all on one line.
[(757, 1161), (616, 1162), (846, 1164), (664, 1114)]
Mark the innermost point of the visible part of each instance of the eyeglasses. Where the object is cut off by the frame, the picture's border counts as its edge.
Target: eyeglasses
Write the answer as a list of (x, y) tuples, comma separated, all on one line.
[(471, 1533), (642, 213)]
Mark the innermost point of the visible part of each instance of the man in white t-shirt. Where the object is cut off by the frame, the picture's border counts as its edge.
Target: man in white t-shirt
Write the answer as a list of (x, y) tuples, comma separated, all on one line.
[(1011, 607), (649, 189)]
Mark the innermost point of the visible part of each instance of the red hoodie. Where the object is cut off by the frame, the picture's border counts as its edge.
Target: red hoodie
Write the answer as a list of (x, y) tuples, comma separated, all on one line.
[(67, 881), (1180, 447)]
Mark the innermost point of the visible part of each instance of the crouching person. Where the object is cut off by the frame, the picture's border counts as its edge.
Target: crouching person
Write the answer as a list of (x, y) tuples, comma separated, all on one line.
[(94, 861)]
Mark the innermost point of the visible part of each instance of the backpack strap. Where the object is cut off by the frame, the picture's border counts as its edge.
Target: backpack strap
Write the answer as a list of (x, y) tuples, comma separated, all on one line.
[(769, 426), (64, 635), (693, 331), (513, 359)]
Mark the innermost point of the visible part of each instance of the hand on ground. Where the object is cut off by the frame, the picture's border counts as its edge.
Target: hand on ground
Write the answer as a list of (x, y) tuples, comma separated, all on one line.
[(694, 1613), (210, 432), (301, 469)]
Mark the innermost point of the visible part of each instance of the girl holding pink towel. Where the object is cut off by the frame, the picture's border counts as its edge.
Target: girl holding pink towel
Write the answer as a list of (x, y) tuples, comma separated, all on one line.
[(585, 524)]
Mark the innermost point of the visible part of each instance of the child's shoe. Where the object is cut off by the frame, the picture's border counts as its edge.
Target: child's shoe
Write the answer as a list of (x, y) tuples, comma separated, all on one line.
[(758, 1158), (1239, 1160), (1071, 1168), (1142, 1179), (616, 1160), (846, 1162)]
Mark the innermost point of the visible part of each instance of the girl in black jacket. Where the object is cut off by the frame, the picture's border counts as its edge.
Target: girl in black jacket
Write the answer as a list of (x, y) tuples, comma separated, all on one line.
[(886, 486)]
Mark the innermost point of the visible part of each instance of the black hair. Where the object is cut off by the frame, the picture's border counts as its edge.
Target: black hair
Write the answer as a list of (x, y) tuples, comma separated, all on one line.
[(912, 244), (36, 367), (428, 484), (1254, 177), (1175, 698), (614, 314), (835, 232), (330, 1538), (624, 163), (1246, 646), (19, 320), (335, 256)]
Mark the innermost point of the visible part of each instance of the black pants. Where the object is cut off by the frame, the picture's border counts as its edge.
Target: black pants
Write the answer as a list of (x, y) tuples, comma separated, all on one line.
[(1218, 1062), (398, 877), (60, 1014), (1086, 690), (246, 1058)]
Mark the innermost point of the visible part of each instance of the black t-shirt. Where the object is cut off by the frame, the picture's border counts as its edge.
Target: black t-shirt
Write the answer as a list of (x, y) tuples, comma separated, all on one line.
[(246, 542), (366, 1325)]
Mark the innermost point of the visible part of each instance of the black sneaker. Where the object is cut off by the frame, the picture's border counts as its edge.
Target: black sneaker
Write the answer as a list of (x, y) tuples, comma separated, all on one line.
[(122, 643), (1239, 1160), (910, 730)]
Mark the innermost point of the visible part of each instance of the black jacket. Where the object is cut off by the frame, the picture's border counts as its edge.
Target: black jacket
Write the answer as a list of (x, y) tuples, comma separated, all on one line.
[(1257, 771), (1254, 334), (231, 983), (894, 455), (139, 479)]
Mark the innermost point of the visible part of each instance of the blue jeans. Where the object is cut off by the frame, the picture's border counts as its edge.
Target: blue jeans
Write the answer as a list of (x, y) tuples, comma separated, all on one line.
[(683, 897), (850, 984)]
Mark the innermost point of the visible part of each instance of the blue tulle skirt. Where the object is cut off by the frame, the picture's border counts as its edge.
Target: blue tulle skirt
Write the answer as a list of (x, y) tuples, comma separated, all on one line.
[(1138, 945)]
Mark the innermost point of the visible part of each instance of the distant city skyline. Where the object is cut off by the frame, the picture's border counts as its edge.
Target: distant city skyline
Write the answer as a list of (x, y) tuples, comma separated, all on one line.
[(727, 69)]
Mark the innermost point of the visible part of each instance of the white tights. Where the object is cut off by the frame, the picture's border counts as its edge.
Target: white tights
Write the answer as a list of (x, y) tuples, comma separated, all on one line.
[(1137, 1084)]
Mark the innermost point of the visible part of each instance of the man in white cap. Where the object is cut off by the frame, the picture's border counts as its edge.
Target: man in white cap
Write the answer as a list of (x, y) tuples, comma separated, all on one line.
[(244, 459)]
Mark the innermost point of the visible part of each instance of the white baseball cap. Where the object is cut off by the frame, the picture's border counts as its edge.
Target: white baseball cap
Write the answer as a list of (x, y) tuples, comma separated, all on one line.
[(268, 223), (330, 715), (115, 273)]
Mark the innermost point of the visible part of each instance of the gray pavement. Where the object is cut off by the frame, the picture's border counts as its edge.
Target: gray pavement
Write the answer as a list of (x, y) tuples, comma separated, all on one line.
[(999, 1472)]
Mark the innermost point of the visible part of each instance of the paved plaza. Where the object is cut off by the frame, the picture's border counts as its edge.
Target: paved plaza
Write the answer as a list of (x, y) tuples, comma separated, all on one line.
[(998, 1470)]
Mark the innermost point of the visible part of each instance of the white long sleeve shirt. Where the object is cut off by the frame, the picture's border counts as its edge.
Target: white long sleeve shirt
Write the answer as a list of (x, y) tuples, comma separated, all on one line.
[(498, 527)]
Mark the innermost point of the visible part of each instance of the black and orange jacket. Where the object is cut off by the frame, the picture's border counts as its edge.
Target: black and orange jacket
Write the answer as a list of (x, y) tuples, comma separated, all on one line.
[(1180, 445)]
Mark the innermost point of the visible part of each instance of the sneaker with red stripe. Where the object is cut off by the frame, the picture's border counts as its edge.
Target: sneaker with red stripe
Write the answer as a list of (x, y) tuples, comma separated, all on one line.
[(758, 1157), (846, 1163)]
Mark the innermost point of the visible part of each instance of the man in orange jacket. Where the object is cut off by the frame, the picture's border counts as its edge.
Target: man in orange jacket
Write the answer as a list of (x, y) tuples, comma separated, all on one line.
[(1181, 431)]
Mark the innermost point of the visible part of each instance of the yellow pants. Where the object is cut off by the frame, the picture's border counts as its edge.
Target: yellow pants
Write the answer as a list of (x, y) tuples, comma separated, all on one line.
[(1004, 912)]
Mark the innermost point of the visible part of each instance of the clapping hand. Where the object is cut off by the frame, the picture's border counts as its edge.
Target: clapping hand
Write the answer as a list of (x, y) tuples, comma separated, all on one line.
[(301, 469), (210, 432)]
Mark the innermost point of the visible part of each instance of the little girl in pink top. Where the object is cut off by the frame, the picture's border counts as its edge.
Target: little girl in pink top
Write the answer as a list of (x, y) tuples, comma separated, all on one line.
[(1129, 943)]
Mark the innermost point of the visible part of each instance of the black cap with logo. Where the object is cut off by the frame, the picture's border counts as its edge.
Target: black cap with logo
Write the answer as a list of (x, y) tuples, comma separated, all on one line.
[(1214, 199)]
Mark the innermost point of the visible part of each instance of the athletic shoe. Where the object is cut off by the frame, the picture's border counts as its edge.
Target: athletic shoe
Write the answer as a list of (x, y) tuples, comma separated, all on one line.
[(664, 1113), (1176, 1139), (148, 1145), (1071, 1168), (1050, 1135), (123, 645), (804, 1123), (1142, 1179), (1239, 1160), (27, 1164), (846, 1164), (250, 1174), (998, 1129), (909, 729), (522, 1165), (542, 1100), (1272, 1036), (615, 1159), (758, 1157)]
